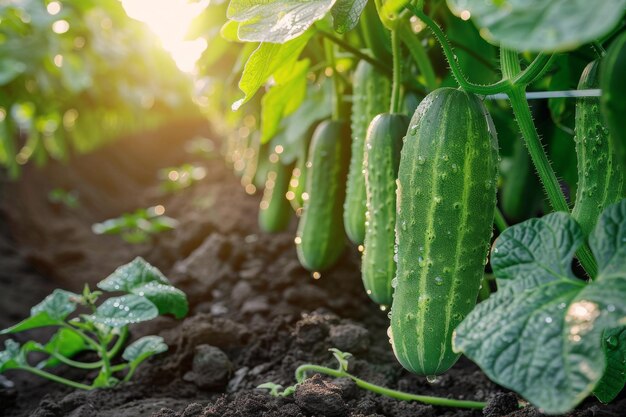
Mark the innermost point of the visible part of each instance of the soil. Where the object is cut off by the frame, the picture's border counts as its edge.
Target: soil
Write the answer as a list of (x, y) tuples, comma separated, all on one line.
[(255, 315)]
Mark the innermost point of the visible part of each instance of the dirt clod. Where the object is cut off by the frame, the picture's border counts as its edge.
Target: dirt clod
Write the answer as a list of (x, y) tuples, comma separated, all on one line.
[(211, 368), (320, 397)]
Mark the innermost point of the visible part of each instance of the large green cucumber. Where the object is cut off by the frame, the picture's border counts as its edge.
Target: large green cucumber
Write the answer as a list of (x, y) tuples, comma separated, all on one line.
[(320, 239), (382, 157), (613, 85), (599, 179), (370, 97), (275, 210), (446, 197)]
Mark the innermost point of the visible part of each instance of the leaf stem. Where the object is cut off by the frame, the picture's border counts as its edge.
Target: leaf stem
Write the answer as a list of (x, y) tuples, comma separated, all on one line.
[(509, 62), (336, 95), (397, 72), (500, 221), (54, 378), (426, 399), (356, 52), (417, 51)]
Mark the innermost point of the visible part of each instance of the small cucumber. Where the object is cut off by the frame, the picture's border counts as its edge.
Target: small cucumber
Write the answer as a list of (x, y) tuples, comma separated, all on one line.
[(519, 198), (275, 210), (320, 239), (382, 157), (613, 85), (446, 197), (599, 179), (371, 97), (297, 184)]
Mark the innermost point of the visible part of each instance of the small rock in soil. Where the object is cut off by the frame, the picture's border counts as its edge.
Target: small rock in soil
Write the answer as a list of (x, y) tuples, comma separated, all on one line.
[(350, 338), (320, 397), (192, 410), (256, 305), (501, 404), (210, 368), (237, 379), (311, 329), (348, 388)]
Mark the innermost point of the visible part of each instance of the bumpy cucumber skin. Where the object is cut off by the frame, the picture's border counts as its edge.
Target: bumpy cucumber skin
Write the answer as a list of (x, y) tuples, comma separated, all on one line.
[(371, 97), (446, 197), (599, 178), (382, 158), (320, 239), (613, 85), (275, 211)]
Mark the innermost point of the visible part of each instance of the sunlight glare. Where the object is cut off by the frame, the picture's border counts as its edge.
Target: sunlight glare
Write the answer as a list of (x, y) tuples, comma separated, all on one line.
[(170, 20)]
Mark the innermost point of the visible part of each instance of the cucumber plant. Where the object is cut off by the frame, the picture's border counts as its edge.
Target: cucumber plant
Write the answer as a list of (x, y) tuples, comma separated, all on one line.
[(300, 58), (101, 329), (137, 227)]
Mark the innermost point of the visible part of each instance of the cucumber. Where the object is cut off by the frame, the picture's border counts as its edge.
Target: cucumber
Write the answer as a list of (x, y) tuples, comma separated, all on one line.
[(613, 103), (382, 157), (446, 197), (371, 97), (320, 239), (599, 179), (275, 211), (519, 197)]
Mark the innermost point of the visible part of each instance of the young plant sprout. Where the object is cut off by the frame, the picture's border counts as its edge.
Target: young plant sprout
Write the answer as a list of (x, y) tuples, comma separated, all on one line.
[(137, 227), (85, 326), (64, 197)]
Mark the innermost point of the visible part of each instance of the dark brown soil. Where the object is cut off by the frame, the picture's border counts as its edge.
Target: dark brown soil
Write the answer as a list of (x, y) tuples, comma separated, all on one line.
[(255, 313)]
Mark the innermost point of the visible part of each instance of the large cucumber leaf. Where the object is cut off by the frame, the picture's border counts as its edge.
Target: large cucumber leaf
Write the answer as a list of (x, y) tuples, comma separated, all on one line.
[(540, 25), (276, 21), (543, 333)]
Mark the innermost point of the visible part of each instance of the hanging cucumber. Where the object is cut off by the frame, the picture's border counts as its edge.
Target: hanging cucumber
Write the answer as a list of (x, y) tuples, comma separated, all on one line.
[(320, 238), (297, 184), (613, 85), (446, 196), (519, 198), (275, 210), (382, 157), (599, 178), (371, 97)]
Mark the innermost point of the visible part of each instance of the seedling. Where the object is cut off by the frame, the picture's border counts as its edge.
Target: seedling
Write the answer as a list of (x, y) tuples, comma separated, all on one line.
[(341, 371), (102, 328), (201, 146), (67, 198), (137, 227)]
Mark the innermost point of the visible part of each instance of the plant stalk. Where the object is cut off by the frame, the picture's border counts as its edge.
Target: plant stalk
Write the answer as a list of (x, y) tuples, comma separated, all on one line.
[(397, 72), (55, 378), (399, 395)]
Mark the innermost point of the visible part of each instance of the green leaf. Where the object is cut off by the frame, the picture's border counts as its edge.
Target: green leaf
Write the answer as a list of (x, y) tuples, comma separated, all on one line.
[(536, 252), (282, 100), (545, 336), (265, 61), (66, 343), (608, 241), (612, 383), (143, 348), (50, 312), (341, 358), (296, 128), (516, 338), (276, 21), (10, 357), (539, 25), (140, 278), (125, 310), (10, 69), (346, 14)]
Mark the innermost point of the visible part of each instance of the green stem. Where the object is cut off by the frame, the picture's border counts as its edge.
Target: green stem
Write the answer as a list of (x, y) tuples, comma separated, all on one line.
[(500, 221), (336, 97), (399, 395), (55, 378), (121, 338), (517, 95), (417, 51), (75, 364), (82, 334), (397, 72), (356, 52)]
